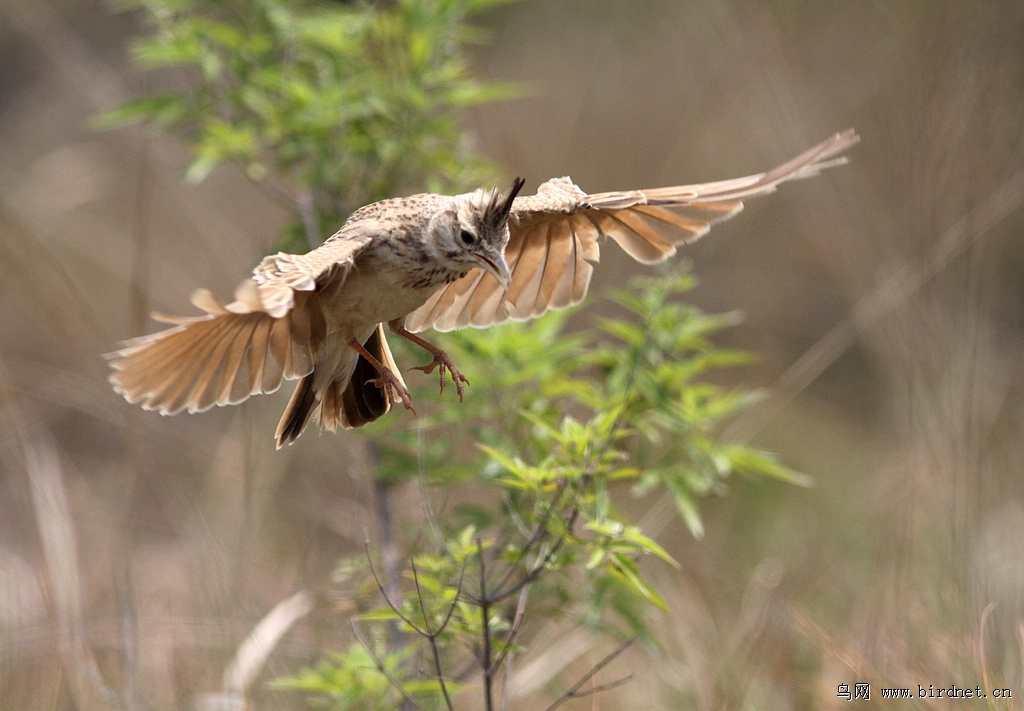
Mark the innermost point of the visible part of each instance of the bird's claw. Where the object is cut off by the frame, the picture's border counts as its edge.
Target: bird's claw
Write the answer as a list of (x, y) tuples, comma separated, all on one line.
[(389, 383), (443, 362)]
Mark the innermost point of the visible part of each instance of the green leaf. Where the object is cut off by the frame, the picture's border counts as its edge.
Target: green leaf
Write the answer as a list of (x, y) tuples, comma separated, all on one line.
[(201, 167), (515, 466), (383, 614), (627, 570), (633, 535), (630, 333), (165, 109), (688, 510), (747, 461)]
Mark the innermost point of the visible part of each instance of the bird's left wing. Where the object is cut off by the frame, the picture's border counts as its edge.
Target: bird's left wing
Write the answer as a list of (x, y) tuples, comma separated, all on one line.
[(553, 239)]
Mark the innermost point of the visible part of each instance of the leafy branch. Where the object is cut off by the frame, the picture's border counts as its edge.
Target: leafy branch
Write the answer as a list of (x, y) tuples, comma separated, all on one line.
[(328, 106), (642, 416), (332, 106)]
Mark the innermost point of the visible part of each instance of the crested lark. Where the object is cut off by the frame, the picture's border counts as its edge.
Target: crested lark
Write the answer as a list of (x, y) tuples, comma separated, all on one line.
[(415, 262)]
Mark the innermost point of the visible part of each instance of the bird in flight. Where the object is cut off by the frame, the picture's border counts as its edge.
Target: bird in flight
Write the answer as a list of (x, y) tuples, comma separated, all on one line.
[(417, 262)]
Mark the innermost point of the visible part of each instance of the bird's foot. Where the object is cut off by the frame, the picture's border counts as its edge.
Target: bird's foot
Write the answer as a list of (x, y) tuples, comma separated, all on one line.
[(393, 387), (442, 361), (386, 380)]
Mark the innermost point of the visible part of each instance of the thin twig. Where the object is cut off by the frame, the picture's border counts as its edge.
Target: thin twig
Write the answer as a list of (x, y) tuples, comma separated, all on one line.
[(538, 533), (485, 613), (386, 523), (255, 649), (516, 626), (603, 687), (387, 599), (574, 691), (421, 481), (41, 464), (981, 643), (381, 668), (506, 687), (138, 299), (128, 629), (305, 205), (276, 193), (432, 636), (455, 600), (514, 515)]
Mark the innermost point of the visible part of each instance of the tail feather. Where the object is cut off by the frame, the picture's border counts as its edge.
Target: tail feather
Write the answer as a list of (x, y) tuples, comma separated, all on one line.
[(295, 416), (362, 401), (348, 402)]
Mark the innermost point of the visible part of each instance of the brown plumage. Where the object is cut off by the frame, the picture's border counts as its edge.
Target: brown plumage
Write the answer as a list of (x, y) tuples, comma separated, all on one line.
[(416, 262)]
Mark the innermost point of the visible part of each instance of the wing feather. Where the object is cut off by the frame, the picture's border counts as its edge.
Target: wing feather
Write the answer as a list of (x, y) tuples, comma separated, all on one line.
[(257, 354), (586, 254), (486, 305), (279, 276), (209, 381), (631, 232), (174, 397), (279, 351), (561, 271), (553, 238), (150, 363), (245, 347), (169, 371), (528, 276), (457, 301)]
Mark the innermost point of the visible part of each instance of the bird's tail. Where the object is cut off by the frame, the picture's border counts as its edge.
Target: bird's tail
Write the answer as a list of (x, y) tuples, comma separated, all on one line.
[(295, 416), (348, 402), (220, 358)]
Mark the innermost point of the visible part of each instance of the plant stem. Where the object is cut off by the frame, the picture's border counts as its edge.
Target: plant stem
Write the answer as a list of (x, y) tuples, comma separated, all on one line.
[(485, 612)]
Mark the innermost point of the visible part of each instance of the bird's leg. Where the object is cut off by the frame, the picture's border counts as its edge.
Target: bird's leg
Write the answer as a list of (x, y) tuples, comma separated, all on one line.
[(442, 360), (387, 379)]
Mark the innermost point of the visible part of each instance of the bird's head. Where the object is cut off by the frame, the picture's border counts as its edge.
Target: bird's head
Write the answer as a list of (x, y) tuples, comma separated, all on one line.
[(481, 230)]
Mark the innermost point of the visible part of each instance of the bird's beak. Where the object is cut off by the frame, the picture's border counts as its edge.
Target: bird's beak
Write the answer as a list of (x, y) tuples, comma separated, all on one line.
[(495, 265)]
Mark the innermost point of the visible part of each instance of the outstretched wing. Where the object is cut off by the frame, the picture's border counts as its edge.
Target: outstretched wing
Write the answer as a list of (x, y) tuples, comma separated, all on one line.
[(553, 239), (271, 331)]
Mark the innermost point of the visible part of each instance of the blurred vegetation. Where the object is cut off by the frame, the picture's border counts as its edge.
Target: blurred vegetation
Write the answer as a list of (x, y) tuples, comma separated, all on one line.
[(885, 301), (567, 424), (342, 105), (331, 105)]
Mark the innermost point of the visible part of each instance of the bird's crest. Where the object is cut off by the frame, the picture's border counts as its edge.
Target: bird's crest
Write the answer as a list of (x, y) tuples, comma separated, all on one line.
[(495, 205)]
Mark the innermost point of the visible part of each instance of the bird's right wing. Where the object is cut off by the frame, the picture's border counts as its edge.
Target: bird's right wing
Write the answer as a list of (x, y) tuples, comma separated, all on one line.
[(280, 275), (554, 238), (271, 331)]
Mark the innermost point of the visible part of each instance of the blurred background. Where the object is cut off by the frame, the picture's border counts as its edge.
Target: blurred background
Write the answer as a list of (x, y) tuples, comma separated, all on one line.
[(884, 299)]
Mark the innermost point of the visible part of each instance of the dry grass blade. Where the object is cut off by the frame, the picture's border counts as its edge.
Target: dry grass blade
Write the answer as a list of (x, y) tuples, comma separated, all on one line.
[(56, 528), (252, 654), (890, 295)]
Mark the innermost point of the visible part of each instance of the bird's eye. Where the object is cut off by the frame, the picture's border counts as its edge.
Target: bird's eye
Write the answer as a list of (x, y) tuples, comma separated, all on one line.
[(467, 237)]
